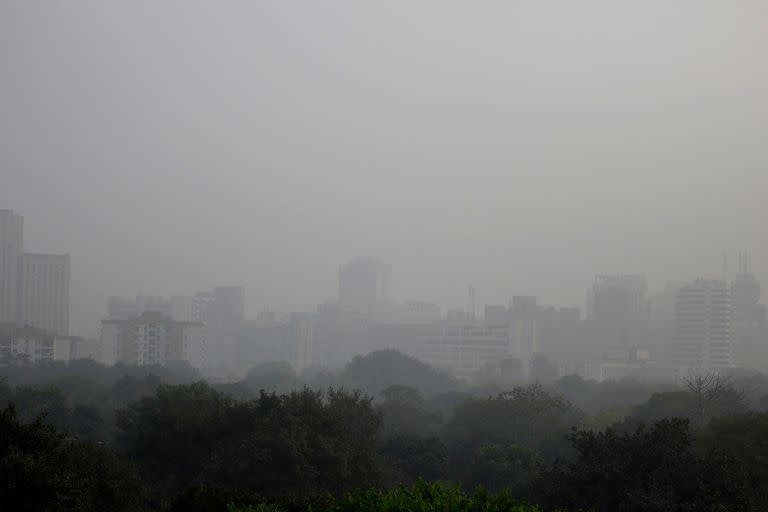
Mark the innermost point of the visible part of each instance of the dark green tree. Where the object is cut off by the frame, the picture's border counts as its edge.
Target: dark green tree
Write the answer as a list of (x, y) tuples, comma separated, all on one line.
[(412, 458), (404, 414), (41, 470), (497, 467), (652, 469)]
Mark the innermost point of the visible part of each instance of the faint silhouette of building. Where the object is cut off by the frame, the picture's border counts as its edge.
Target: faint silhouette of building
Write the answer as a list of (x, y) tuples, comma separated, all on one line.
[(703, 326), (637, 366), (750, 342), (221, 310), (363, 285), (525, 330), (34, 288), (44, 292), (122, 308), (340, 335), (407, 338), (11, 251), (561, 336), (618, 315), (535, 329), (465, 348), (289, 340)]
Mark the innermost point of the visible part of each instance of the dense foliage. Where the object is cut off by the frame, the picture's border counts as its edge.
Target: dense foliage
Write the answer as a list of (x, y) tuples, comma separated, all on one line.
[(421, 497), (86, 437), (41, 469)]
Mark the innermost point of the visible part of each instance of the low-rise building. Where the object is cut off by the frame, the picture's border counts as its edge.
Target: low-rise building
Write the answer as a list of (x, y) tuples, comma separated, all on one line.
[(152, 339), (25, 345), (465, 348)]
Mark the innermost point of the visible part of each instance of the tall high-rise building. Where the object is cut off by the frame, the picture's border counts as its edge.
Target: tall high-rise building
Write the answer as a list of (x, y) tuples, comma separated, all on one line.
[(703, 326), (44, 292), (363, 285), (749, 322), (11, 251), (525, 339), (221, 310), (618, 314)]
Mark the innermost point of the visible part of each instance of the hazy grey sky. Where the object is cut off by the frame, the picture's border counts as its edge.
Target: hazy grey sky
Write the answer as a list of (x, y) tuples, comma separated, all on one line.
[(518, 146)]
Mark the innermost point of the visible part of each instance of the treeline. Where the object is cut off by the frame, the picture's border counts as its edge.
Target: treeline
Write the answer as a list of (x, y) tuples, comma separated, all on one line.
[(133, 439)]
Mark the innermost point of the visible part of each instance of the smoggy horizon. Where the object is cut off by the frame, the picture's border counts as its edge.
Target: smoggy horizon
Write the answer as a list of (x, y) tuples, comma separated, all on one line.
[(519, 148)]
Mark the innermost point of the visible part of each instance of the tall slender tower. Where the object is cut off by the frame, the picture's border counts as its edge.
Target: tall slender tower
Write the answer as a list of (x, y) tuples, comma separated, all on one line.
[(11, 251)]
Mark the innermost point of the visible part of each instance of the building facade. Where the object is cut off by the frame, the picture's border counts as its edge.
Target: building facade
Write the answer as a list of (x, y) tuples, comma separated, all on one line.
[(618, 315), (222, 312), (703, 326), (289, 340), (25, 345), (363, 285), (11, 251), (152, 339), (44, 292), (466, 348), (749, 324)]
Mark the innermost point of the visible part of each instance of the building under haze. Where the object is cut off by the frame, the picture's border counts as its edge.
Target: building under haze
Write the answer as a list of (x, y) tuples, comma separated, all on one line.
[(123, 308), (363, 285), (748, 324), (221, 311), (466, 348), (34, 288), (618, 315), (271, 339), (703, 326), (44, 292), (11, 251), (522, 319), (152, 338), (25, 345)]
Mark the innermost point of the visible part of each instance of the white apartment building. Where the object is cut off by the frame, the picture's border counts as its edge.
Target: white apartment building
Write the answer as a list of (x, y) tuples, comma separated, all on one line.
[(465, 348), (152, 339), (703, 326)]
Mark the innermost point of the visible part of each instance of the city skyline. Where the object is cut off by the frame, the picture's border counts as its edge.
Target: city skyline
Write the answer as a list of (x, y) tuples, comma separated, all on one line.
[(516, 149), (730, 261)]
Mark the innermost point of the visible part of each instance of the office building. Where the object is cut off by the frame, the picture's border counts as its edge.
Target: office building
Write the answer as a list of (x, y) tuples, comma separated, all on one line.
[(466, 348), (703, 326), (618, 315), (363, 285), (44, 292), (11, 251)]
